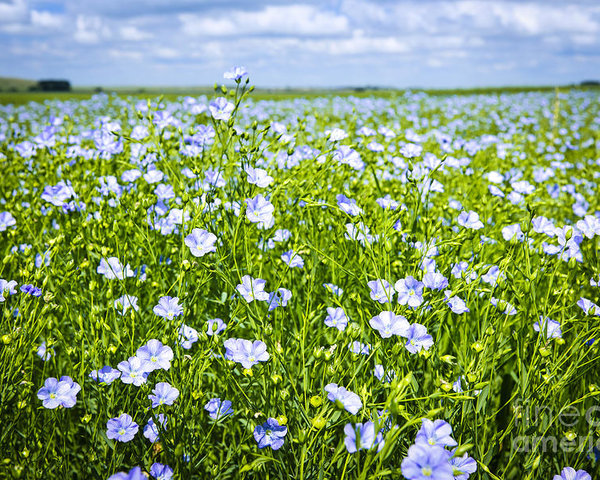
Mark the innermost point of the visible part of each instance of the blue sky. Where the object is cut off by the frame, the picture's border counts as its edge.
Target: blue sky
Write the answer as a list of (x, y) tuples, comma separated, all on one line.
[(304, 43)]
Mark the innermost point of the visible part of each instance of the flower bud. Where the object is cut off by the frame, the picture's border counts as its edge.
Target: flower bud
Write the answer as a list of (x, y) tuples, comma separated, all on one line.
[(318, 422), (281, 420)]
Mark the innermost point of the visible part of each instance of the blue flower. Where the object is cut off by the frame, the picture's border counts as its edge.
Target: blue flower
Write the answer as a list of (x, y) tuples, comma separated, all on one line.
[(503, 304), (235, 73), (336, 134), (550, 327), (410, 292), (246, 352), (132, 175), (435, 281), (418, 338), (154, 355), (381, 290), (133, 474), (279, 298), (42, 259), (200, 242), (360, 233), (336, 317), (204, 135), (105, 375), (543, 225), (252, 289), (348, 205), (258, 177), (6, 221), (569, 473), (381, 374), (214, 178), (511, 232), (168, 308), (214, 326), (31, 290), (187, 336), (133, 371), (221, 109), (456, 304), (44, 353), (164, 192), (7, 287), (270, 434), (218, 409), (362, 437), (492, 275), (151, 429), (388, 323), (388, 203), (470, 220), (349, 156), (461, 270), (424, 462), (437, 432), (411, 150), (163, 394), (359, 348), (589, 226), (163, 119), (292, 259), (153, 176), (112, 268), (260, 211), (58, 194), (161, 472), (334, 289), (588, 307), (463, 466), (122, 428), (57, 393), (350, 401)]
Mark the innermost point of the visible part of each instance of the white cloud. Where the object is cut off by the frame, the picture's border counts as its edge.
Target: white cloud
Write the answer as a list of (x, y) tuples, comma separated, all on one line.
[(288, 20), (46, 20), (90, 30), (166, 53), (356, 45), (134, 34), (491, 17), (125, 54), (13, 11), (304, 42)]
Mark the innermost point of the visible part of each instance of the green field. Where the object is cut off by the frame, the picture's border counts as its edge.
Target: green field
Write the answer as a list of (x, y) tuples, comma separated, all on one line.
[(22, 96), (300, 284)]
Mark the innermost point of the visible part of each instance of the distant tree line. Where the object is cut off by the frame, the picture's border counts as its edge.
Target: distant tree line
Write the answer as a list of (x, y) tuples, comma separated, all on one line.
[(51, 86)]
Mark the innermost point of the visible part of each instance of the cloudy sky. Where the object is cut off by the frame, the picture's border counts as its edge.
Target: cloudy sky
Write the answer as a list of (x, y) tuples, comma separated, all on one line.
[(304, 43)]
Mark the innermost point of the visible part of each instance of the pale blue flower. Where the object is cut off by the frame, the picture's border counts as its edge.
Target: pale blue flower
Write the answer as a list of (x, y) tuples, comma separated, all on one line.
[(349, 400), (200, 242), (122, 428), (218, 409), (163, 394), (362, 437), (336, 317), (221, 109), (388, 323), (381, 290), (245, 352), (252, 289)]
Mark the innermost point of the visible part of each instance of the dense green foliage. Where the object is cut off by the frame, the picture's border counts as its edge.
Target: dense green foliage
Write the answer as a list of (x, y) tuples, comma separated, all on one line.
[(501, 384)]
